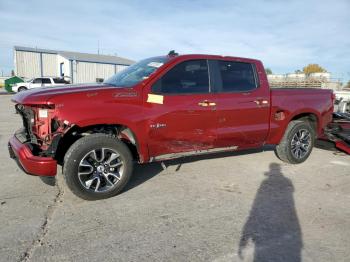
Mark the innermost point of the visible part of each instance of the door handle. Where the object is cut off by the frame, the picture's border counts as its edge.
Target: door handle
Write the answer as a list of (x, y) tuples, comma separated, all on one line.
[(206, 103), (261, 102), (203, 103)]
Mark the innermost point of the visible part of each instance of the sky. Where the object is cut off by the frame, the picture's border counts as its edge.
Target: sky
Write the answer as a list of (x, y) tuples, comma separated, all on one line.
[(285, 35)]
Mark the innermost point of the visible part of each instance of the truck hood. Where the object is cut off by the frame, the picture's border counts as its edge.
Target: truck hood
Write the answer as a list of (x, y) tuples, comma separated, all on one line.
[(39, 96)]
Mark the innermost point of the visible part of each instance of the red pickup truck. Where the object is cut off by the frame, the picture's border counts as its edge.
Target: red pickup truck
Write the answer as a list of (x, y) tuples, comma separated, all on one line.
[(162, 108)]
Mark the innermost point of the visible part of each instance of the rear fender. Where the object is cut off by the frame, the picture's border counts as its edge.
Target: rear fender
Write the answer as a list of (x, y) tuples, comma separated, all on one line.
[(278, 127)]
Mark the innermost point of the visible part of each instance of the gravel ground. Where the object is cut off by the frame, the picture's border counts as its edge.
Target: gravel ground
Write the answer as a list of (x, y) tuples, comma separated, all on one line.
[(224, 207)]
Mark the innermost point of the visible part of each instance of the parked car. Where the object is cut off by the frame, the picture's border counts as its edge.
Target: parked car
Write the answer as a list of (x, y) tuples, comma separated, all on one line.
[(158, 109), (38, 82)]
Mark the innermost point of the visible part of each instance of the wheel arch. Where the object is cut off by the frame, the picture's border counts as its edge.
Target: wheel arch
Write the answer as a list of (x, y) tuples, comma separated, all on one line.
[(22, 87), (280, 126), (121, 132), (310, 117)]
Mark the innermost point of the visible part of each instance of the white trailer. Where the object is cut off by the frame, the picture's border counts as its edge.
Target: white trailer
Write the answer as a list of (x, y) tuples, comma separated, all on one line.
[(342, 101)]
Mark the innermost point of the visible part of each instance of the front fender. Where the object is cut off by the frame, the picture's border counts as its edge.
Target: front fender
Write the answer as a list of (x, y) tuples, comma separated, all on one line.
[(136, 127)]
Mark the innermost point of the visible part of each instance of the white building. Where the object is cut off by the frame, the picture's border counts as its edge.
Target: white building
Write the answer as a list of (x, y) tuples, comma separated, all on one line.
[(73, 66), (324, 75)]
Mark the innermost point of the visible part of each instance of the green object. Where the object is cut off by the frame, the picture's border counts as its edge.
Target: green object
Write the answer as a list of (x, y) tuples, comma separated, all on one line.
[(9, 82)]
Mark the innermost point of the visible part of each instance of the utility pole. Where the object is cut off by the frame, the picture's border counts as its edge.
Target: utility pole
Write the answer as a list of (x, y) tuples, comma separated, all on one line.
[(98, 47)]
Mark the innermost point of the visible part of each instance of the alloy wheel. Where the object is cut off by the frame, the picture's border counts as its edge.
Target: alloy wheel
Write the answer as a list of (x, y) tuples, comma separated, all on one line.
[(301, 143), (100, 170)]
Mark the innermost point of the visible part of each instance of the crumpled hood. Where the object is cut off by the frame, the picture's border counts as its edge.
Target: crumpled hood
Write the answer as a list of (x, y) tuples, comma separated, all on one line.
[(43, 95)]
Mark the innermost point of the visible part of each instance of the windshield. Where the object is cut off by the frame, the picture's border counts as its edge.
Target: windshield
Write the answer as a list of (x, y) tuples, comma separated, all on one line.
[(135, 73)]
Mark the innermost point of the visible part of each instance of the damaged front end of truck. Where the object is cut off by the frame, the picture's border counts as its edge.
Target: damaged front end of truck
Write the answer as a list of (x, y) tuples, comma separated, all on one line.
[(34, 145)]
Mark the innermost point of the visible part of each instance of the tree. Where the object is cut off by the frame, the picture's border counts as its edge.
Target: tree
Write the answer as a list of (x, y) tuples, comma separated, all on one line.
[(268, 71), (298, 71), (347, 85), (313, 68)]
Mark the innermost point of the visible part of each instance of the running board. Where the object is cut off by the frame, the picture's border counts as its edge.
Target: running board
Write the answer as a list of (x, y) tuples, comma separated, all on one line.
[(192, 153)]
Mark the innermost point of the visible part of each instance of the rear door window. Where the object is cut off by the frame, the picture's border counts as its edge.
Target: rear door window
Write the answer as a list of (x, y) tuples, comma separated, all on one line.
[(46, 81), (37, 81), (236, 76), (188, 77)]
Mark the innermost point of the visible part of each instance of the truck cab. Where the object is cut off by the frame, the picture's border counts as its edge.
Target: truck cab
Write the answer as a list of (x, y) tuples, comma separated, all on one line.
[(216, 103)]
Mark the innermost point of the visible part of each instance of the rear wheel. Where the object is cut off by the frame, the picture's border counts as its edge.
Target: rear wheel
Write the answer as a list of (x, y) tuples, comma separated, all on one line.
[(297, 142), (97, 166), (22, 88)]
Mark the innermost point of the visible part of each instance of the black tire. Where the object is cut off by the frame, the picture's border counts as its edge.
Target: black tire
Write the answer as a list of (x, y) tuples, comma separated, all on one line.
[(285, 149), (22, 88), (80, 151)]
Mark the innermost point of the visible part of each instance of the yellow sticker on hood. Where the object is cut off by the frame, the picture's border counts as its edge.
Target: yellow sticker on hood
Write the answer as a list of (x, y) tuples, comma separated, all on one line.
[(156, 99)]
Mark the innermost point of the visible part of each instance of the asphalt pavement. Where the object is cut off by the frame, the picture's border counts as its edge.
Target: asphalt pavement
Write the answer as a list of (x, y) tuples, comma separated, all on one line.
[(226, 207)]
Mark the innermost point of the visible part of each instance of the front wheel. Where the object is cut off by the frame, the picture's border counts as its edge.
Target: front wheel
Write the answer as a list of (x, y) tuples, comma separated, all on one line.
[(297, 142), (22, 88), (97, 166)]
